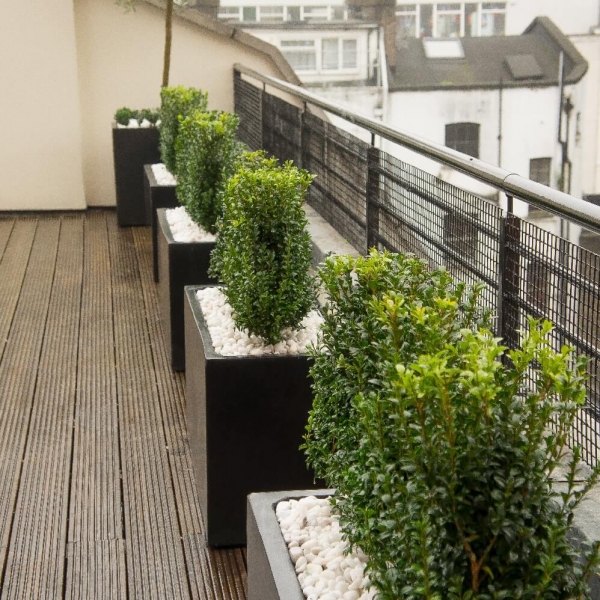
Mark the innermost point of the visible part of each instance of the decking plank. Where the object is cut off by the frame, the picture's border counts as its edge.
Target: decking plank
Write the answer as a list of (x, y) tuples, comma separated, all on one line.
[(13, 265), (6, 227), (156, 566), (96, 487), (19, 367), (37, 545)]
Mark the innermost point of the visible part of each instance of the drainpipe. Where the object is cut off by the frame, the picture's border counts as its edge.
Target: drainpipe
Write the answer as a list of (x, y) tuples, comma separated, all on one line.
[(500, 98)]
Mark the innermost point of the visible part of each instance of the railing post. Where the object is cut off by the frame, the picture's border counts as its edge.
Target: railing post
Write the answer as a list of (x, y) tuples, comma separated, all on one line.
[(373, 195), (508, 280)]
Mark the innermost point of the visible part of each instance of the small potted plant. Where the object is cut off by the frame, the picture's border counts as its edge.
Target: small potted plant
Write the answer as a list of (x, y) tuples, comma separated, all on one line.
[(206, 154), (442, 452), (247, 389), (135, 143), (159, 180)]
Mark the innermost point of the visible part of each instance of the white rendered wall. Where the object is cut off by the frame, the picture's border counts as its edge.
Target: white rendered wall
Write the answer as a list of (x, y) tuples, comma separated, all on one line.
[(40, 119)]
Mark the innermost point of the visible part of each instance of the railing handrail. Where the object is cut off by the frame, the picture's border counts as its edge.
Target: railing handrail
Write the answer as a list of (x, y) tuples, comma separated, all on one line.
[(559, 203)]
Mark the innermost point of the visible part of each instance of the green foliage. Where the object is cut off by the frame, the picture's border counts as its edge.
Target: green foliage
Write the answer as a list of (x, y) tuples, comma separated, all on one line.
[(206, 154), (263, 250), (441, 454), (175, 102), (123, 115)]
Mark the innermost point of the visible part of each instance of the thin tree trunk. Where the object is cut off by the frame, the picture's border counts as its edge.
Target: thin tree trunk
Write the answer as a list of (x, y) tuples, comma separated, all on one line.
[(168, 37)]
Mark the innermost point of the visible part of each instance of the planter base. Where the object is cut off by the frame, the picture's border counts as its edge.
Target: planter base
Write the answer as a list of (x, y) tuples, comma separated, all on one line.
[(132, 149), (246, 417), (271, 574), (179, 264), (156, 196)]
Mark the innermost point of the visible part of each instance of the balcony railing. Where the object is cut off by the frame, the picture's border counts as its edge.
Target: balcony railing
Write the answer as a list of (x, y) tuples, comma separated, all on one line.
[(376, 200)]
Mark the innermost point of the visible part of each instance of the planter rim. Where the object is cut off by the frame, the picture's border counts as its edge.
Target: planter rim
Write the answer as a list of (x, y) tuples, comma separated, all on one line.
[(152, 180), (114, 126), (263, 505), (166, 228), (209, 349)]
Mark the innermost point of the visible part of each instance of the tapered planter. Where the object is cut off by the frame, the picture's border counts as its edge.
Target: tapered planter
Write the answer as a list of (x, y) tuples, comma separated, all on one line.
[(246, 417), (271, 574), (156, 196), (132, 149), (179, 264)]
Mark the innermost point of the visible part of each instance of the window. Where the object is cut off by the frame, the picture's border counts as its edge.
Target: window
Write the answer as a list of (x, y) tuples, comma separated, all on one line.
[(463, 137), (448, 20), (249, 13), (493, 18), (315, 13), (330, 58), (270, 14), (426, 20), (293, 13), (338, 13), (301, 54), (406, 21), (471, 20), (229, 13), (349, 54), (539, 170), (338, 54)]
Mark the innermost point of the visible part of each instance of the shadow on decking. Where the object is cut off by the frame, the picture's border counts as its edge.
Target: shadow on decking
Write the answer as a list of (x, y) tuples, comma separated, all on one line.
[(97, 495)]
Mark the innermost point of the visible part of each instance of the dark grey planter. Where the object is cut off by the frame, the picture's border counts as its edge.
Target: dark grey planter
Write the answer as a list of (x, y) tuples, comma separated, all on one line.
[(246, 417), (156, 196), (179, 264), (132, 149), (271, 574)]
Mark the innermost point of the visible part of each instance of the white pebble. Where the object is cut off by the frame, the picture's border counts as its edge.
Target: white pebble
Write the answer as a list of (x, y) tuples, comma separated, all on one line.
[(183, 229), (162, 175)]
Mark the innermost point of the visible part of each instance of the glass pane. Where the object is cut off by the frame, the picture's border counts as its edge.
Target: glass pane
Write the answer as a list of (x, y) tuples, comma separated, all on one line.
[(301, 60), (406, 8), (293, 13), (426, 21), (297, 43), (441, 7), (349, 54), (337, 13), (448, 25), (406, 26), (330, 59), (492, 24), (249, 13), (471, 20)]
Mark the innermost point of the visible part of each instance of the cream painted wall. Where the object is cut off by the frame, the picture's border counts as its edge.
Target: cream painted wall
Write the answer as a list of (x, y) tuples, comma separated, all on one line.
[(120, 64), (40, 139)]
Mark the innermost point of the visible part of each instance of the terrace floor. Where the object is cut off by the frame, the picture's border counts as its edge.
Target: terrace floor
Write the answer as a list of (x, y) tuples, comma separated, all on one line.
[(97, 495)]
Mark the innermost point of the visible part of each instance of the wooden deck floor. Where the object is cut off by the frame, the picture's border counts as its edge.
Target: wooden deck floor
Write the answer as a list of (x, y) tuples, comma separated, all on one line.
[(97, 495)]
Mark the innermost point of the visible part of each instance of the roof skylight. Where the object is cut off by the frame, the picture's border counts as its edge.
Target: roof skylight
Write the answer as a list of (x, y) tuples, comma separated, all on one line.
[(443, 48)]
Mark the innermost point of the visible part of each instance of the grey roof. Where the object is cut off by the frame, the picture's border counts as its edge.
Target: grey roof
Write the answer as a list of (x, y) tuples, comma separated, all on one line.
[(527, 60)]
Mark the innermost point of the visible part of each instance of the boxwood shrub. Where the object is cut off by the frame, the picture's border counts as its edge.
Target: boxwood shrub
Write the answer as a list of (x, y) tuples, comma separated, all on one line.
[(441, 452), (123, 115), (206, 154), (175, 102), (263, 250)]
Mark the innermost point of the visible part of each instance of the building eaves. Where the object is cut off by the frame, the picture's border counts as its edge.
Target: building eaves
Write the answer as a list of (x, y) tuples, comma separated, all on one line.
[(223, 29)]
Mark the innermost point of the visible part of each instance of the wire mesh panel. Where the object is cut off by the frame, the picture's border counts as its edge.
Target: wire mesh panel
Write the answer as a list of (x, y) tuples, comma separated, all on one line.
[(559, 281), (248, 106), (440, 223), (282, 129), (338, 193)]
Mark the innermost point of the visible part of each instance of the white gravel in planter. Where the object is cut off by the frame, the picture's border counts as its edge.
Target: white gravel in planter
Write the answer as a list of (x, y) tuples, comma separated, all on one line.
[(184, 229), (325, 571), (229, 341), (135, 124), (162, 176)]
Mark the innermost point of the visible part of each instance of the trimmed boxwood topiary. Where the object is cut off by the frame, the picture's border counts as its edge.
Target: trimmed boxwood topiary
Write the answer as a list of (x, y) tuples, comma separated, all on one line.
[(175, 102), (206, 155), (263, 250), (124, 115), (440, 453)]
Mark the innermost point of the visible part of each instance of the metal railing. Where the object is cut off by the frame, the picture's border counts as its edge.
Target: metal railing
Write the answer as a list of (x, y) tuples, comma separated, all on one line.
[(376, 200)]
